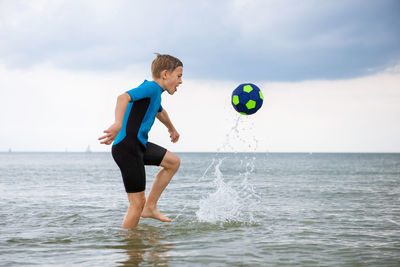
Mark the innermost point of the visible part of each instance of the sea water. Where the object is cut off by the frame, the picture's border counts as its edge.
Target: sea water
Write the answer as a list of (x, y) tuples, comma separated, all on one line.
[(247, 209)]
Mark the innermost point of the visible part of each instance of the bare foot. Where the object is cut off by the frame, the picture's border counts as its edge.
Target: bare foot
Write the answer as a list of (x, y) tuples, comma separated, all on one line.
[(155, 214)]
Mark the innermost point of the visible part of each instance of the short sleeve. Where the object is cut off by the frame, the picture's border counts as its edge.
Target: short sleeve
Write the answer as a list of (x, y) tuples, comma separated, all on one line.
[(140, 92), (134, 94), (160, 109)]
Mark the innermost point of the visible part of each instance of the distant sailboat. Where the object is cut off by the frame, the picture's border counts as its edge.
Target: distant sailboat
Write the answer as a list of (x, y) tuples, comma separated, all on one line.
[(9, 150), (88, 150)]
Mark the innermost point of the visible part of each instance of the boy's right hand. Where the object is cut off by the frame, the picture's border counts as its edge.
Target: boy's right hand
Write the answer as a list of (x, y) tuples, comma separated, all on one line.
[(111, 133)]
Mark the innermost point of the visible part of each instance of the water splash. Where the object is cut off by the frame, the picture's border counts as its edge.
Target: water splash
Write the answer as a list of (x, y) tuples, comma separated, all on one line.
[(227, 203), (241, 136), (230, 203)]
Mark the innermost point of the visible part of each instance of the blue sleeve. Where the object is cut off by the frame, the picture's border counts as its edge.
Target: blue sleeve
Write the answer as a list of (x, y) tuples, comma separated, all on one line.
[(136, 94), (140, 92), (160, 108)]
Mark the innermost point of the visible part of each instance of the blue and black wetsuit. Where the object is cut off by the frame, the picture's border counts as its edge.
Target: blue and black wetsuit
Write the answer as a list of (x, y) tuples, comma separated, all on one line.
[(131, 149)]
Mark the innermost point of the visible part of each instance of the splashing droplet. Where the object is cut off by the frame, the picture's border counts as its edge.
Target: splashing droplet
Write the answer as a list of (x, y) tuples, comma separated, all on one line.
[(226, 204)]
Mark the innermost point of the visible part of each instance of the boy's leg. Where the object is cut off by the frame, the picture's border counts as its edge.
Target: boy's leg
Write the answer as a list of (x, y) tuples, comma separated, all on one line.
[(170, 164), (136, 204)]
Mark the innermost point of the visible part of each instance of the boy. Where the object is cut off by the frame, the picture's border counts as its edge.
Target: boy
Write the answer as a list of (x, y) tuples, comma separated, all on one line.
[(135, 113)]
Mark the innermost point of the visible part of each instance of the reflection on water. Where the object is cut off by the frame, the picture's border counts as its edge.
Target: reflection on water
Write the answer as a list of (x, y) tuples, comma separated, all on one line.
[(146, 244)]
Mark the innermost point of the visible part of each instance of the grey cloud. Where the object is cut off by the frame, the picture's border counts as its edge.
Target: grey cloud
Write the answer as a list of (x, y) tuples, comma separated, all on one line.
[(236, 40)]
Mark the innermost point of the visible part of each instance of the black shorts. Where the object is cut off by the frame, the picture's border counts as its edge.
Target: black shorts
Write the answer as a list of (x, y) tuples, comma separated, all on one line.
[(131, 158)]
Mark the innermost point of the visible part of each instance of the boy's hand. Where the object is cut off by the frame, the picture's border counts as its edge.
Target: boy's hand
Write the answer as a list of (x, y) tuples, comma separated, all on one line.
[(174, 135), (111, 133)]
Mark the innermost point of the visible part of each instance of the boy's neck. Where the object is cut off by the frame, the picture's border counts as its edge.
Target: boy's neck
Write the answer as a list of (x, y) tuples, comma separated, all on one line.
[(159, 82)]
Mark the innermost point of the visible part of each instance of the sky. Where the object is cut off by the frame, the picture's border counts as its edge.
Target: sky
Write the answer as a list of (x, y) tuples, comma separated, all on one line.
[(329, 72)]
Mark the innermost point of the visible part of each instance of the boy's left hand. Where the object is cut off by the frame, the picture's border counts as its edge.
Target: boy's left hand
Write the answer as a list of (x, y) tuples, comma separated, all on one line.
[(174, 135), (111, 133)]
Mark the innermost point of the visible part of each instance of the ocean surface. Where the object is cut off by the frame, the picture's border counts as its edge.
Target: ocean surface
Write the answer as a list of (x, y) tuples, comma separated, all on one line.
[(228, 209)]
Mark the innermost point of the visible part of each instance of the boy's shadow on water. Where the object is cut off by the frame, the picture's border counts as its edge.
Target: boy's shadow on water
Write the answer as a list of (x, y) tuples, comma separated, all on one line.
[(145, 244)]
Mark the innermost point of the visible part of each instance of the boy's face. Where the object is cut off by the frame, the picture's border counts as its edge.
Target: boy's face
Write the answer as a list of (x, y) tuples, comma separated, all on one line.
[(173, 80)]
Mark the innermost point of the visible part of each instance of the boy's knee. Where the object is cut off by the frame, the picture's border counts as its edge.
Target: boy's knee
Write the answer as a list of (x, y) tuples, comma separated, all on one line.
[(171, 162), (138, 202), (177, 163)]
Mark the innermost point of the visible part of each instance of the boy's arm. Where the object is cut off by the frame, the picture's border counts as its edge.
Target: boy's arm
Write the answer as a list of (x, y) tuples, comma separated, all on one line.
[(112, 131), (164, 118)]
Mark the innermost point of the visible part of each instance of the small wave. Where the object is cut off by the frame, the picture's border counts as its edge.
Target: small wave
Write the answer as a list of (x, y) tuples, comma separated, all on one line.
[(392, 221)]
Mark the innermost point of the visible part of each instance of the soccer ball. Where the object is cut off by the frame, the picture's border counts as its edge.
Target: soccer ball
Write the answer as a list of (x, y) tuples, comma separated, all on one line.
[(247, 99)]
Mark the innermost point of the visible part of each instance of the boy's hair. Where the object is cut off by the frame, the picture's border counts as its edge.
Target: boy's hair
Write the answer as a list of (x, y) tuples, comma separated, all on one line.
[(164, 62)]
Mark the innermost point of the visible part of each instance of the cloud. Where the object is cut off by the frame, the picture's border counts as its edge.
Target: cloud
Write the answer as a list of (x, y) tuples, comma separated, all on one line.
[(357, 115), (50, 109), (219, 40)]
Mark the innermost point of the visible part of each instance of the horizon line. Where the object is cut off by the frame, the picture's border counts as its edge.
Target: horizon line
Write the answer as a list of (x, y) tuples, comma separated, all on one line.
[(217, 152)]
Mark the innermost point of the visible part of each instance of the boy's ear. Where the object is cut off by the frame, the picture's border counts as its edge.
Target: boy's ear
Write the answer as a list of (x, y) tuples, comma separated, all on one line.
[(163, 74)]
